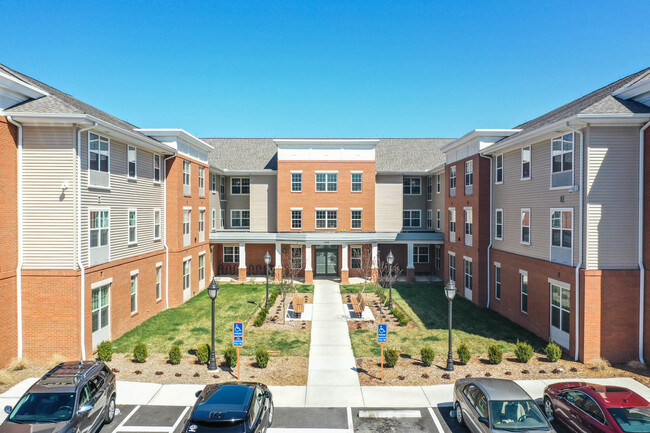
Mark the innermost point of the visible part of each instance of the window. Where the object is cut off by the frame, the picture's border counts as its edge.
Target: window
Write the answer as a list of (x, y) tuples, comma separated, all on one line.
[(186, 274), (213, 183), (452, 181), (469, 173), (497, 280), (296, 219), (296, 257), (467, 281), (523, 278), (469, 226), (156, 224), (156, 168), (452, 267), (355, 257), (561, 308), (240, 218), (562, 161), (452, 224), (525, 163), (132, 161), (499, 169), (326, 219), (438, 219), (561, 228), (240, 185), (222, 194), (296, 182), (158, 281), (420, 254), (98, 228), (214, 219), (412, 218), (429, 188), (201, 181), (357, 182), (437, 257), (201, 269), (438, 184), (326, 181), (412, 186), (100, 307), (223, 218), (498, 222), (525, 226), (201, 225), (429, 218), (231, 254), (186, 227), (98, 152), (355, 218), (134, 292), (133, 226)]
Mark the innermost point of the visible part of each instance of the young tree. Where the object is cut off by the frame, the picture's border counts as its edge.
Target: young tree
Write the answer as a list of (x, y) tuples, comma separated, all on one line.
[(388, 275), (366, 266), (291, 268)]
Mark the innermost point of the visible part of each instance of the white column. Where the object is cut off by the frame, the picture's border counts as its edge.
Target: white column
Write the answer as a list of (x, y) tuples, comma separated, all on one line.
[(308, 257), (344, 257), (242, 256), (278, 255), (410, 255), (375, 261)]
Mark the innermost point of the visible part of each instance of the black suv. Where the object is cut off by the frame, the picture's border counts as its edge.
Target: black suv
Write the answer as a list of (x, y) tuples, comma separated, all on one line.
[(72, 397), (244, 407)]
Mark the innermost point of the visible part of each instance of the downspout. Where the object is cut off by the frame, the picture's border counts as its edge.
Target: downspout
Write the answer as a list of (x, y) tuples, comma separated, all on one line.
[(165, 231), (19, 267), (580, 246), (640, 244), (79, 261), (489, 247)]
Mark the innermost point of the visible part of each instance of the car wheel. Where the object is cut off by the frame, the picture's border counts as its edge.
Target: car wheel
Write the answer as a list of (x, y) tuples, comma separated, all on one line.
[(110, 411), (548, 408), (271, 414), (459, 414)]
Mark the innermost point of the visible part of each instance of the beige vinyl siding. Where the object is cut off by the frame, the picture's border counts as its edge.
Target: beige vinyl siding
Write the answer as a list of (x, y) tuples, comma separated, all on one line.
[(49, 211), (416, 202), (438, 201), (141, 194), (263, 203), (514, 194), (234, 201), (611, 187), (388, 203), (215, 203)]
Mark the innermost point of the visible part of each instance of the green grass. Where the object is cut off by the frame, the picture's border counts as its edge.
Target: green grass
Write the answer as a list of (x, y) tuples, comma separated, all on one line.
[(426, 305), (190, 325), (354, 288)]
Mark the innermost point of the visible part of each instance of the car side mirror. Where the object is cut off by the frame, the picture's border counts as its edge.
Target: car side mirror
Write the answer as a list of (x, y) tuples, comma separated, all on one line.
[(197, 393), (484, 420), (560, 396), (83, 410), (267, 394), (8, 409)]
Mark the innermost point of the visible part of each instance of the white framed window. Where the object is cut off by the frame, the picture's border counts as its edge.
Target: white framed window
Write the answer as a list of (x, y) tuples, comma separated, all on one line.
[(412, 218), (498, 162), (157, 162), (187, 188), (222, 194), (525, 163), (202, 270), (412, 186), (468, 274), (356, 255), (420, 254), (296, 257), (213, 183), (156, 224), (201, 225), (100, 307), (523, 284), (98, 152), (438, 219), (326, 182), (497, 280), (469, 173), (132, 154), (296, 181), (452, 181), (498, 224), (525, 226), (187, 215), (356, 218), (469, 225), (561, 307), (214, 219), (223, 218), (357, 181), (452, 224), (134, 292), (133, 226), (436, 251), (187, 274), (99, 226), (561, 228), (240, 185), (326, 219), (429, 188), (240, 218), (158, 281), (296, 218), (231, 254), (562, 161), (201, 181), (430, 218), (438, 183), (452, 266)]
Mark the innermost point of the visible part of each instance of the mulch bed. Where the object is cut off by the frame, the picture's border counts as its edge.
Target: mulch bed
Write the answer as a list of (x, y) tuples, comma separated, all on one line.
[(381, 313), (274, 320)]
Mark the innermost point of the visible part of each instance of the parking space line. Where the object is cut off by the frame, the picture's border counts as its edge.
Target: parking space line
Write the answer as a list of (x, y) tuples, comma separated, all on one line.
[(350, 421), (435, 420), (180, 418), (127, 418), (143, 429)]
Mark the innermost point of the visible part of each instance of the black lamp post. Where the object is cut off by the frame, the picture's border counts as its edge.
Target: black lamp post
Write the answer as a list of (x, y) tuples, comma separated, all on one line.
[(267, 260), (390, 259), (450, 292), (213, 292)]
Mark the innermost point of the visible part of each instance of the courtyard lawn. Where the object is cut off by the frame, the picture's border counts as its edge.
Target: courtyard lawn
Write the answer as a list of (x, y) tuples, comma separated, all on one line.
[(426, 305), (190, 325)]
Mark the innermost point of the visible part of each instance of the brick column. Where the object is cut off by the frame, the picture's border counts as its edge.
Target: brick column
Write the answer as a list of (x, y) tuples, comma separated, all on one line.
[(590, 317), (309, 273)]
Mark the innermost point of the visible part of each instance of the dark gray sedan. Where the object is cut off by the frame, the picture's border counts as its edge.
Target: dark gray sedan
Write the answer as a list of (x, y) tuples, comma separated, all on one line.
[(497, 405)]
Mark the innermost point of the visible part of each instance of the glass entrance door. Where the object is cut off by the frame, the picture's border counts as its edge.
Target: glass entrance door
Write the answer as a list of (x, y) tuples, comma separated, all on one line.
[(327, 261)]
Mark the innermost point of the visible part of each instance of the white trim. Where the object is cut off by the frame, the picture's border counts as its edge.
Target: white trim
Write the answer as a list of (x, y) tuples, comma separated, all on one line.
[(419, 211), (128, 225), (108, 237), (241, 218), (573, 161), (550, 240), (430, 218), (136, 272), (530, 163), (356, 171), (90, 185), (187, 258), (521, 291), (154, 224), (326, 171), (448, 228), (410, 186), (326, 141), (523, 272), (159, 264), (451, 253), (295, 171), (133, 311), (559, 283), (327, 182), (202, 253), (438, 183), (326, 208), (496, 169), (201, 207), (187, 207), (128, 161), (496, 211), (153, 168), (295, 208), (469, 259), (101, 283), (352, 182), (359, 219), (326, 219), (521, 225), (497, 264)]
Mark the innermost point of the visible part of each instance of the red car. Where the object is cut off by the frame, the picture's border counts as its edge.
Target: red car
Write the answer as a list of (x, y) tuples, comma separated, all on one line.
[(585, 407)]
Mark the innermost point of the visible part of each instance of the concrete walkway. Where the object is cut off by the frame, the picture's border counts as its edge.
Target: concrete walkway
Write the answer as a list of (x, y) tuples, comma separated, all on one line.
[(332, 379)]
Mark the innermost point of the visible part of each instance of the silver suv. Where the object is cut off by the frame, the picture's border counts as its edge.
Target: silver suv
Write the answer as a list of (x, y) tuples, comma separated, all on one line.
[(72, 397)]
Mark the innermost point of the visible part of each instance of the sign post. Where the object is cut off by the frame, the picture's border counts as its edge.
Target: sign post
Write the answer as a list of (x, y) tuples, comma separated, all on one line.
[(238, 340), (382, 337)]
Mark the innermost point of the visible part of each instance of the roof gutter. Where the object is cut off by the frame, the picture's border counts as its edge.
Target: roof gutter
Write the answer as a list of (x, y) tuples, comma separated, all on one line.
[(640, 244)]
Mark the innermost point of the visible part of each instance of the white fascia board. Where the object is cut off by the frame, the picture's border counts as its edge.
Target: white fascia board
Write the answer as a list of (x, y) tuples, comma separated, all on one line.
[(627, 118), (436, 169), (18, 86), (336, 142), (633, 91), (407, 173), (476, 134), (226, 172), (315, 238), (558, 127), (177, 133)]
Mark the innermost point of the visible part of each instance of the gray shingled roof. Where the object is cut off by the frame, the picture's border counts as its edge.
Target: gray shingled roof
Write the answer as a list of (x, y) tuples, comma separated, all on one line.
[(392, 154)]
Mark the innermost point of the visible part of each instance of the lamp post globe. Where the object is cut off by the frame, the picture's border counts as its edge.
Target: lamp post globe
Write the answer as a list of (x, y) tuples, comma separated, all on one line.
[(450, 293), (390, 258), (213, 292), (267, 261)]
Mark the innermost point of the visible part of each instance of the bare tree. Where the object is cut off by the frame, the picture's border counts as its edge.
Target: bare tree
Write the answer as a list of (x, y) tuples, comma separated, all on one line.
[(388, 274), (290, 271), (365, 271)]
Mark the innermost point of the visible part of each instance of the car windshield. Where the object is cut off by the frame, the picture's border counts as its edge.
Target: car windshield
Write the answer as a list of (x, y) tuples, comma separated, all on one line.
[(216, 427), (43, 407), (632, 419), (519, 415)]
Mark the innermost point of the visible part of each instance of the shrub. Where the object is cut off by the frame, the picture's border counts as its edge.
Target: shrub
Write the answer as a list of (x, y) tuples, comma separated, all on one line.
[(599, 364), (56, 359), (523, 352), (140, 352), (262, 358), (17, 364), (427, 354), (390, 357), (231, 356), (203, 354), (553, 352), (273, 297), (5, 377), (463, 353), (402, 320), (261, 317), (175, 354), (105, 351), (495, 354)]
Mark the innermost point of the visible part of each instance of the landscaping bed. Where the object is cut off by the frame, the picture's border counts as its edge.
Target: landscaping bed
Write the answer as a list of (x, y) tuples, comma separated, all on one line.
[(379, 311), (274, 319)]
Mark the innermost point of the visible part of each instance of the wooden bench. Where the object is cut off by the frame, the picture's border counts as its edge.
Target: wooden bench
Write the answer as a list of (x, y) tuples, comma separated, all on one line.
[(359, 304), (298, 304)]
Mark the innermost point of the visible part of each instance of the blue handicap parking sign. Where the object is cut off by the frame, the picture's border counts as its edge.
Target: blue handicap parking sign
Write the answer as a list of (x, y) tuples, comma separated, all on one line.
[(238, 334), (382, 333)]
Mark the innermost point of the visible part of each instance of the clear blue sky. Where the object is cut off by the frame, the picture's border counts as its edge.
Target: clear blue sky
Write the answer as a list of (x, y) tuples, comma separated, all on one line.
[(329, 68)]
